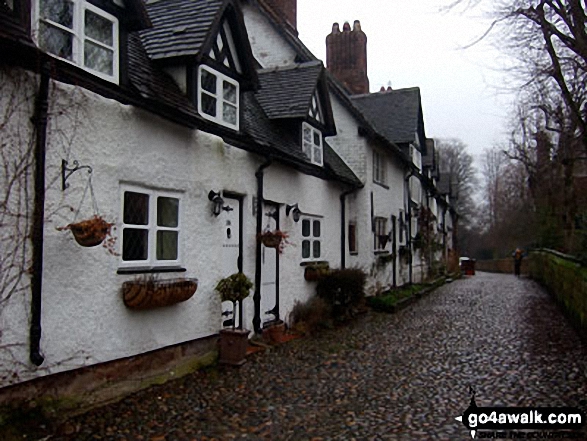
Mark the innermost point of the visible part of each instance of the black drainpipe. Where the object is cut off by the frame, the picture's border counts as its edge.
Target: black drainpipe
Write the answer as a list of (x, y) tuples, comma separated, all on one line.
[(409, 216), (257, 295), (40, 122), (343, 226)]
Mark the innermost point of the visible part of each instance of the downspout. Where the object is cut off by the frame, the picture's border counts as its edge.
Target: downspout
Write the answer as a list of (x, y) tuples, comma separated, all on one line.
[(259, 174), (40, 123), (409, 221), (343, 226)]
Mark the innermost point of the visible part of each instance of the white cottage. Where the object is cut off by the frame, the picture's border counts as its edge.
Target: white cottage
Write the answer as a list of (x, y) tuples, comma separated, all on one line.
[(192, 152)]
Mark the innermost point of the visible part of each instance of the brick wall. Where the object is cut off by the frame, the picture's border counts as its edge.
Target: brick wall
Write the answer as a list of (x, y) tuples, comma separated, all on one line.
[(346, 56)]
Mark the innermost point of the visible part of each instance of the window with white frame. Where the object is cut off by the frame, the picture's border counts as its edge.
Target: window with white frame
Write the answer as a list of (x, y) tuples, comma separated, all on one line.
[(150, 227), (218, 97), (312, 143), (378, 167), (311, 238), (79, 32), (381, 233)]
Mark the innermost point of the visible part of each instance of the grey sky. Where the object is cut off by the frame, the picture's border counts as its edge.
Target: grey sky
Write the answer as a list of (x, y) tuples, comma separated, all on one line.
[(413, 43)]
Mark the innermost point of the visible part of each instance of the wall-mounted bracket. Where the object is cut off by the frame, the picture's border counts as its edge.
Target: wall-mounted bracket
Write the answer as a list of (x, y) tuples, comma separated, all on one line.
[(66, 172)]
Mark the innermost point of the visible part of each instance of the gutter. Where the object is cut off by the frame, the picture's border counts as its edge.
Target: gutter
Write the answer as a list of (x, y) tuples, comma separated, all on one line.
[(40, 123), (259, 174)]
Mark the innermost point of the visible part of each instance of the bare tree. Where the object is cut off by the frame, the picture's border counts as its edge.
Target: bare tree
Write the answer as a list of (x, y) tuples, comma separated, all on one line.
[(457, 164)]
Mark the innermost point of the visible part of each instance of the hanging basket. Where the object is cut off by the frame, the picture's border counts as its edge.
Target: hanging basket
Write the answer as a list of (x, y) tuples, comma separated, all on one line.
[(151, 293), (274, 239), (91, 232), (271, 240)]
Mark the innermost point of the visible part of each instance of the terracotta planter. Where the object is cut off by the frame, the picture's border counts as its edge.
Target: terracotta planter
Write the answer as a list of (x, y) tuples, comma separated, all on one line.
[(233, 346), (313, 274), (91, 232), (156, 293), (274, 333)]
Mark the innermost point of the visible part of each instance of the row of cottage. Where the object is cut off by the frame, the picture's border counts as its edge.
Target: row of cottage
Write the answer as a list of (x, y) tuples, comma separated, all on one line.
[(193, 126)]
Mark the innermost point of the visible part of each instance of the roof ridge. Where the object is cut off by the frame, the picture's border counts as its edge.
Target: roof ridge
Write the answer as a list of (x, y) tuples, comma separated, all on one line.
[(292, 66)]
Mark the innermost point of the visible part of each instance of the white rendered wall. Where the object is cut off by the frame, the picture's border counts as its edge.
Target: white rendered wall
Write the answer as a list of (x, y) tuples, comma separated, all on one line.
[(267, 44), (84, 319)]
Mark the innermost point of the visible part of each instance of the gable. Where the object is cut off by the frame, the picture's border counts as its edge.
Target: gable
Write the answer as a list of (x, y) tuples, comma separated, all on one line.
[(195, 32), (297, 91)]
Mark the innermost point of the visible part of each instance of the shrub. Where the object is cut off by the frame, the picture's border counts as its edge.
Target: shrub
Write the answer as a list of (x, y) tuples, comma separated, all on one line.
[(311, 316), (343, 290)]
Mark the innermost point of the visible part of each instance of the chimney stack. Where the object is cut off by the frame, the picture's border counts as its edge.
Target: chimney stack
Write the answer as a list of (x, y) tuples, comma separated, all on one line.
[(346, 56), (285, 11)]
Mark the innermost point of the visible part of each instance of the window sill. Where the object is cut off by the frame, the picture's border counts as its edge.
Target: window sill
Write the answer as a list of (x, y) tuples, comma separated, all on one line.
[(314, 262), (354, 253), (381, 185), (151, 270), (380, 252)]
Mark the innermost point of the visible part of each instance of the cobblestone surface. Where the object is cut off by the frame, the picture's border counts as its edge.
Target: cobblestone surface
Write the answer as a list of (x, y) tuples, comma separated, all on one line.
[(404, 376)]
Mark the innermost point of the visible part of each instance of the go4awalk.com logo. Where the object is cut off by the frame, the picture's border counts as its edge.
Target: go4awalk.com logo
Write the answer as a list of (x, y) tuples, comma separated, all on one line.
[(501, 422)]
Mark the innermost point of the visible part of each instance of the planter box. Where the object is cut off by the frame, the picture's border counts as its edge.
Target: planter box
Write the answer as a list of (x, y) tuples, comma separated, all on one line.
[(146, 294), (233, 346)]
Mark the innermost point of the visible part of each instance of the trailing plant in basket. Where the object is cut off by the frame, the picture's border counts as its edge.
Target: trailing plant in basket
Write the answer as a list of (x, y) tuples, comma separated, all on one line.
[(92, 232), (274, 239), (234, 288)]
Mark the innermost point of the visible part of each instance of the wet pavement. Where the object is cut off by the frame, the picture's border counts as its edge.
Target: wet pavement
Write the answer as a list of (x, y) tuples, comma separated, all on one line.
[(403, 376)]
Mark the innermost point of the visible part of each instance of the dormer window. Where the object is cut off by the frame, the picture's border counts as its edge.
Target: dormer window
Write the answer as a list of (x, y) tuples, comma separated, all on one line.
[(312, 143), (218, 97), (80, 33)]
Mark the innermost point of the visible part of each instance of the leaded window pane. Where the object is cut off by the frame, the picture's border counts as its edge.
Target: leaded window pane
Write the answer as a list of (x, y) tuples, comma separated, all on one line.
[(317, 138), (229, 113), (56, 41), (307, 149), (167, 242), (316, 229), (58, 11), (208, 81), (99, 28), (167, 212), (305, 249), (7, 4), (136, 208), (135, 244), (316, 249), (307, 134), (317, 155), (98, 58), (208, 104), (229, 91), (306, 227)]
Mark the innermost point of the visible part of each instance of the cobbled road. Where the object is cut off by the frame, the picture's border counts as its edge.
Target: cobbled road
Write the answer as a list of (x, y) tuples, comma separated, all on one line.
[(403, 376)]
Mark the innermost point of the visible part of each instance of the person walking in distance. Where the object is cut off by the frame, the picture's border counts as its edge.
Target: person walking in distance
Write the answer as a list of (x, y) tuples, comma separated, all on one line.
[(518, 255)]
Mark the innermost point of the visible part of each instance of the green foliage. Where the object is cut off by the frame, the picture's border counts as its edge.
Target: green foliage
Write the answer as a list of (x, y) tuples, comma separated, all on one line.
[(311, 316), (388, 301), (234, 288), (343, 290)]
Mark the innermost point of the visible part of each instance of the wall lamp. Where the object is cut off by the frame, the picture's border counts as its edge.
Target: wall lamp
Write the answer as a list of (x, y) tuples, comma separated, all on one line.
[(296, 213), (217, 203)]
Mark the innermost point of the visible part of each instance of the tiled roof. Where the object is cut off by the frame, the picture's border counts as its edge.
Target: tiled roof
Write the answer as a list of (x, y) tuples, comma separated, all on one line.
[(284, 145), (394, 114), (180, 27), (152, 83), (286, 92)]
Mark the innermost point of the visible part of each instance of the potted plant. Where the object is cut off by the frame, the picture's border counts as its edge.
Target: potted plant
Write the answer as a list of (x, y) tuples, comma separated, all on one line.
[(274, 239), (92, 232), (314, 272), (234, 342)]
